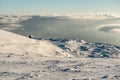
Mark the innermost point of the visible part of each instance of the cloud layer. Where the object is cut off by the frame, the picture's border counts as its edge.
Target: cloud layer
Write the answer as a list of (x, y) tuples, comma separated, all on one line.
[(85, 15), (12, 22), (112, 28)]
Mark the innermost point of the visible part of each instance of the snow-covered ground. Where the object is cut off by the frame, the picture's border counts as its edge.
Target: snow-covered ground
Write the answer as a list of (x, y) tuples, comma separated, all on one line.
[(46, 68), (22, 58)]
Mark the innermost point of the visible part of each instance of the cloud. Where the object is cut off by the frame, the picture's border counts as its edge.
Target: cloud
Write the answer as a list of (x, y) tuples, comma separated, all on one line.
[(85, 15), (111, 28), (115, 30), (11, 26), (12, 22)]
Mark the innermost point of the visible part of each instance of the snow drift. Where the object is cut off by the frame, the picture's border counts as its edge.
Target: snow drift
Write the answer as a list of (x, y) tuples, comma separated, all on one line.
[(20, 45)]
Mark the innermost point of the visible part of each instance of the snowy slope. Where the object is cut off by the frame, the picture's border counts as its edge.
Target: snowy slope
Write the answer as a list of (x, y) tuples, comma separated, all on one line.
[(11, 43), (20, 45), (81, 48)]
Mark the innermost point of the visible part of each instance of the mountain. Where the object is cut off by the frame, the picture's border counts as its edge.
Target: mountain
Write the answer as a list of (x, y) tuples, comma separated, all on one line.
[(15, 44), (11, 43), (23, 58), (81, 48)]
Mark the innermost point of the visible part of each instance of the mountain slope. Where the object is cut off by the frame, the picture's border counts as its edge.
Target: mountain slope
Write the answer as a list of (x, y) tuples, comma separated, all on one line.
[(11, 43), (20, 45)]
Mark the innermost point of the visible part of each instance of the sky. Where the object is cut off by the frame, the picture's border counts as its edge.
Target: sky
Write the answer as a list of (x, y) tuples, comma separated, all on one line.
[(58, 6)]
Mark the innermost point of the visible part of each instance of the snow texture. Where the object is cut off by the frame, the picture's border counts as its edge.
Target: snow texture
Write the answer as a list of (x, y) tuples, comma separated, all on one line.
[(81, 48)]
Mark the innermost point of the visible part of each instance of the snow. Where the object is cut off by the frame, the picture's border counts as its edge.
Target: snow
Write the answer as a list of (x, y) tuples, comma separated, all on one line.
[(23, 58), (81, 48), (17, 44), (45, 68)]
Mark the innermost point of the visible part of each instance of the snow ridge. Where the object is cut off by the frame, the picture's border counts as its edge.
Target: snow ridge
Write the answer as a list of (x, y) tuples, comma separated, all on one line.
[(20, 45)]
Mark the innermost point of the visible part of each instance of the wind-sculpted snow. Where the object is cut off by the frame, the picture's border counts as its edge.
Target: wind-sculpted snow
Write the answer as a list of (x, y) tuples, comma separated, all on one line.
[(81, 48)]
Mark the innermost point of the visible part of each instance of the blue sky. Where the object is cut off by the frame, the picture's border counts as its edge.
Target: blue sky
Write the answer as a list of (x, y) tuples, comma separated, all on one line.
[(58, 6)]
